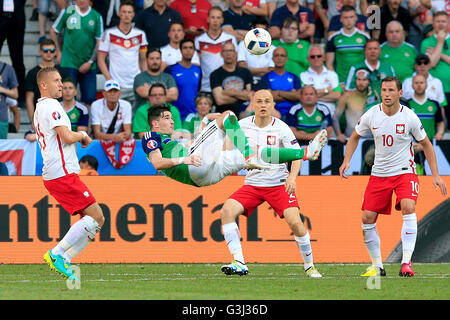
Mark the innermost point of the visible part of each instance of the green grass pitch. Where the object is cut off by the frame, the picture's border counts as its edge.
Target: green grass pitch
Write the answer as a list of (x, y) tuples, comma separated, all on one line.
[(206, 282)]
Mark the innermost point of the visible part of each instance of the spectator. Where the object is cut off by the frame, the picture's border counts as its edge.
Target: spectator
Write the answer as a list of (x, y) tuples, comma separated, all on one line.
[(326, 82), (47, 51), (13, 115), (126, 47), (187, 77), (345, 48), (194, 14), (83, 28), (378, 69), (231, 85), (437, 47), (153, 74), (44, 13), (171, 53), (397, 52), (390, 11), (428, 111), (157, 96), (111, 116), (204, 105), (257, 64), (434, 89), (209, 46), (304, 16), (236, 21), (421, 20), (256, 7), (327, 9), (77, 112), (8, 89), (335, 23), (308, 118), (352, 104), (296, 48), (284, 85), (12, 29), (88, 166), (155, 22)]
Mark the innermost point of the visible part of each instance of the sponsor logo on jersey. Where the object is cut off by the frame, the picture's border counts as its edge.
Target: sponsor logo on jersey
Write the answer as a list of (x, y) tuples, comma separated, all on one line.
[(400, 128)]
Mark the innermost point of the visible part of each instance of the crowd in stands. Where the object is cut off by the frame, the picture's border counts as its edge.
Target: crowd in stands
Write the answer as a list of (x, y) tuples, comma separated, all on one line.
[(324, 68)]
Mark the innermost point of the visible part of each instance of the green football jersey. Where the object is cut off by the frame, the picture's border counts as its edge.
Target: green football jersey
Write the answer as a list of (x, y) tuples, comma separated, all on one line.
[(81, 32), (169, 148), (299, 118), (297, 55), (429, 114), (376, 76), (348, 50), (402, 59), (192, 122), (140, 120), (442, 69)]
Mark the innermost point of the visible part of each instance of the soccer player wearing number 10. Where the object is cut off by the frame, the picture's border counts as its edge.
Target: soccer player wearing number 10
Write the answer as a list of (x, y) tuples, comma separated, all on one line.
[(393, 127)]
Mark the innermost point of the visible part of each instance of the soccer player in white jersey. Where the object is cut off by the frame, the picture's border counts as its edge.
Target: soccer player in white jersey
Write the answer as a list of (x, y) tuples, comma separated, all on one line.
[(57, 142), (394, 128), (277, 186)]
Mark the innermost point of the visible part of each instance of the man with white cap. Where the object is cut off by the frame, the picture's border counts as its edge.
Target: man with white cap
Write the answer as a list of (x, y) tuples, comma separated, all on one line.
[(111, 116)]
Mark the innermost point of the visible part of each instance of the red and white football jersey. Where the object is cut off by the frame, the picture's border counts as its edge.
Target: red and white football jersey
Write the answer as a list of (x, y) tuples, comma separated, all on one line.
[(210, 59), (393, 137), (277, 134), (123, 50), (59, 159)]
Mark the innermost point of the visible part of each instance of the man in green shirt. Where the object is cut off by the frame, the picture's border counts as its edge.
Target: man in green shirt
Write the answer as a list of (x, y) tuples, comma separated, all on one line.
[(297, 50), (220, 149), (397, 52), (83, 28), (378, 69), (438, 48), (157, 96)]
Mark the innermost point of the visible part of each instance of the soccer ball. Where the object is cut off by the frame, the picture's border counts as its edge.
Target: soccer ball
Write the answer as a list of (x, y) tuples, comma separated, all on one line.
[(258, 41)]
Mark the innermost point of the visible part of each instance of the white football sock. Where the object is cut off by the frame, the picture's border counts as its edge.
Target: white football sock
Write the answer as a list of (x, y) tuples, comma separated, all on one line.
[(77, 238), (233, 239), (304, 244), (372, 242), (409, 235)]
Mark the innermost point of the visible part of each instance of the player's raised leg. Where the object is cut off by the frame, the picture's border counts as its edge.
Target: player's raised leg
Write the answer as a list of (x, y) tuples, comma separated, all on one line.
[(303, 240)]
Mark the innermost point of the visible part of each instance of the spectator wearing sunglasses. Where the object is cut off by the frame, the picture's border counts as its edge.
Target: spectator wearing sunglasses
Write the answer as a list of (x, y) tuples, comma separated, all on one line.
[(435, 89), (47, 51)]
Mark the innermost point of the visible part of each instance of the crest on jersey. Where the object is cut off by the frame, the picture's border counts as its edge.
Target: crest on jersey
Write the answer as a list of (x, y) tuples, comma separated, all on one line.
[(400, 128), (152, 144), (56, 115), (271, 140)]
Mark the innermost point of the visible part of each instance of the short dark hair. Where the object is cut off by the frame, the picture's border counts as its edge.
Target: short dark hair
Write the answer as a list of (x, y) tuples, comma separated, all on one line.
[(156, 113), (47, 42), (157, 85), (288, 21), (91, 160), (69, 79), (371, 40), (126, 3), (186, 40), (153, 50), (176, 22), (440, 13), (397, 81), (348, 8)]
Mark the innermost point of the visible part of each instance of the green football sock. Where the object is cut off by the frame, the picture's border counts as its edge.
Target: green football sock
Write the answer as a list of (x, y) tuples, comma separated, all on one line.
[(237, 136), (275, 155)]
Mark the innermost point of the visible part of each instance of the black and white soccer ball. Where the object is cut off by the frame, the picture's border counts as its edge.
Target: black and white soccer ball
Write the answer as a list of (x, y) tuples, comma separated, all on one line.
[(258, 41)]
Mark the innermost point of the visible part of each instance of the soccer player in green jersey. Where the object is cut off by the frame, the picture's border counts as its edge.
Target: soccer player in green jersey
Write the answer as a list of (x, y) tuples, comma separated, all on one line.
[(213, 156)]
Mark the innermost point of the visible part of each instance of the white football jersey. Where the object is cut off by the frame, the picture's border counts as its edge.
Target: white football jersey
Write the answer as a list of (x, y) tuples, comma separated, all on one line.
[(102, 116), (59, 158), (123, 50), (275, 135), (393, 137)]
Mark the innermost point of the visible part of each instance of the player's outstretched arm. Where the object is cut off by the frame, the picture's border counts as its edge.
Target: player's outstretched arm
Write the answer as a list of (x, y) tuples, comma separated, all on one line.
[(69, 137), (156, 159), (350, 148), (432, 162)]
